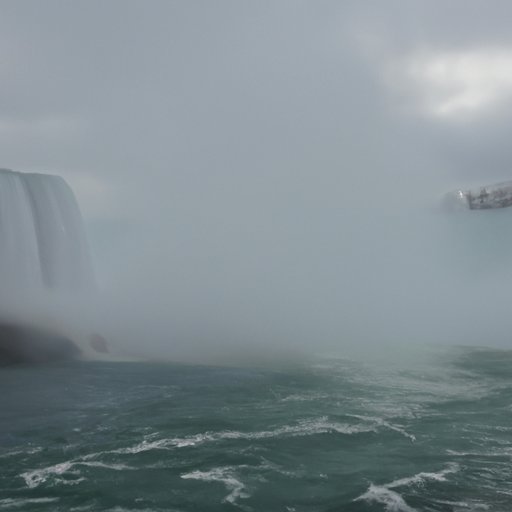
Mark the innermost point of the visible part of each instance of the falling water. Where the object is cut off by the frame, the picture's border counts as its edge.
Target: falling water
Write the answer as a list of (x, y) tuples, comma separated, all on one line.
[(42, 237)]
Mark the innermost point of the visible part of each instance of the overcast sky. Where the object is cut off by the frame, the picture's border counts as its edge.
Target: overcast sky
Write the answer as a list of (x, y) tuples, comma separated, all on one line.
[(273, 170)]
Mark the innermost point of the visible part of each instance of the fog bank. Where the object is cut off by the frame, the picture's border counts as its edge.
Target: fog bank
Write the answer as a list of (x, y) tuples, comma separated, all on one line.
[(271, 175)]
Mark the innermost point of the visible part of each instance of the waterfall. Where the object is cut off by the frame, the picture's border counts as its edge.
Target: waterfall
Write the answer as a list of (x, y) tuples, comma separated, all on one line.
[(42, 236)]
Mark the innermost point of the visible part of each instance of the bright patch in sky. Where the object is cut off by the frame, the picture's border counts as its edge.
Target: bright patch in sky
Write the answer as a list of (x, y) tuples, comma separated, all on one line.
[(452, 84)]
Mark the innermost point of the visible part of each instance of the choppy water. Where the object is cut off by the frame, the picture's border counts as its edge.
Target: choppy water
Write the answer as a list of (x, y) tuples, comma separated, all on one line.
[(330, 435)]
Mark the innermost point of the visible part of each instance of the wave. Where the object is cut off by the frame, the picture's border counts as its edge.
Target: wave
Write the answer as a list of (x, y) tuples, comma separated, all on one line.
[(463, 505), (306, 427), (492, 452), (30, 451), (307, 397), (10, 503), (225, 475), (392, 500), (36, 477), (424, 476), (309, 427), (380, 422)]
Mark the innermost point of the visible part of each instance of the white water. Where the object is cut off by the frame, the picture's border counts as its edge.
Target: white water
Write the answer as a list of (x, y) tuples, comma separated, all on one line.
[(392, 500)]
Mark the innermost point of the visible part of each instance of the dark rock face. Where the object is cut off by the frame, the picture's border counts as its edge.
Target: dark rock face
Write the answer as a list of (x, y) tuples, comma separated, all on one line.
[(20, 344)]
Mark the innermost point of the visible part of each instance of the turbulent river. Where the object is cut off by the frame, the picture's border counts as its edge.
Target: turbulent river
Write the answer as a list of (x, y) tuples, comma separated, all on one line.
[(432, 433)]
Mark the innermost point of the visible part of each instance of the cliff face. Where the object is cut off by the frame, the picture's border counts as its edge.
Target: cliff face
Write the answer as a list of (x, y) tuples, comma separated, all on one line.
[(29, 345)]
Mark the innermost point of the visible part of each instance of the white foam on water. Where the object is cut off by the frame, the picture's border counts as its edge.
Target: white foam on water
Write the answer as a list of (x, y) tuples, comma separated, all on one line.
[(308, 397), (497, 452), (115, 467), (225, 475), (10, 503), (144, 446), (20, 452), (380, 422), (75, 481), (463, 505), (419, 478), (391, 500), (36, 477), (308, 427)]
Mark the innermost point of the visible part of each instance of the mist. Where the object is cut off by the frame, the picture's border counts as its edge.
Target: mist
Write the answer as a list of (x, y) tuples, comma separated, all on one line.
[(266, 178)]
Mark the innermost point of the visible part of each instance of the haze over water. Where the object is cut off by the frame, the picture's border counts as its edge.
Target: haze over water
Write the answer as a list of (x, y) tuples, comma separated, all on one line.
[(272, 174)]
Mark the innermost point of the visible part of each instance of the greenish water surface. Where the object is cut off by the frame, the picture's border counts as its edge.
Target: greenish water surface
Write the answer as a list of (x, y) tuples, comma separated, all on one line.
[(328, 435)]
